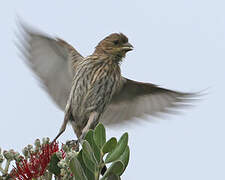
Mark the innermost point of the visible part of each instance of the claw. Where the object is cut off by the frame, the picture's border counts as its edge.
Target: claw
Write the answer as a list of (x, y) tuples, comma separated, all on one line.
[(74, 144)]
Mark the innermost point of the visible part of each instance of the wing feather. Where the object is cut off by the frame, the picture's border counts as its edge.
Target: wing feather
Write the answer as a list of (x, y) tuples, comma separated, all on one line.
[(52, 60), (137, 99)]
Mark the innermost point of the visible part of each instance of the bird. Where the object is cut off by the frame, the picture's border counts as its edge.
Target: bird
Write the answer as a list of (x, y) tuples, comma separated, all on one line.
[(91, 89)]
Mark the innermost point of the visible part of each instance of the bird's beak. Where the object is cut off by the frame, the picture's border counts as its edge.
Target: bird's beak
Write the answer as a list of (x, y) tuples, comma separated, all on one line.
[(127, 47)]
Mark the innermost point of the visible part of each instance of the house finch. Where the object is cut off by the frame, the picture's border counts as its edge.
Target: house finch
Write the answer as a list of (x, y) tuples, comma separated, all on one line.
[(91, 89)]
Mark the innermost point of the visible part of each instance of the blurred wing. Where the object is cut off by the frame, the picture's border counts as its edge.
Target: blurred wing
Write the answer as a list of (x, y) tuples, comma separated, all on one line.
[(137, 99), (52, 60)]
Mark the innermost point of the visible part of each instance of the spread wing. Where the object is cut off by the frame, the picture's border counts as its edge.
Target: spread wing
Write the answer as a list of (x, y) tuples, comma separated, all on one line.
[(136, 99), (52, 60)]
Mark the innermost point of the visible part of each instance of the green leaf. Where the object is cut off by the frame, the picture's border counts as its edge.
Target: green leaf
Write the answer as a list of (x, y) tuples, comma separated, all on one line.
[(76, 169), (89, 157), (119, 149), (53, 167), (90, 138), (109, 145), (87, 172), (115, 168), (125, 158), (99, 135)]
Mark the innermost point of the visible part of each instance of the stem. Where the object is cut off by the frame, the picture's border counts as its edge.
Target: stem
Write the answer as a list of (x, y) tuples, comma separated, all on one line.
[(101, 165), (2, 170), (49, 176), (7, 166)]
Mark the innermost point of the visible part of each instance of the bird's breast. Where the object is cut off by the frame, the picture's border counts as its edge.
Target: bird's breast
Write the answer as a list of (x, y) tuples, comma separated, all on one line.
[(94, 84)]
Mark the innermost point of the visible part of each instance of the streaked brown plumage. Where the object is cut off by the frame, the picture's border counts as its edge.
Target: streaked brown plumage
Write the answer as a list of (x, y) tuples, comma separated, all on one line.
[(92, 89)]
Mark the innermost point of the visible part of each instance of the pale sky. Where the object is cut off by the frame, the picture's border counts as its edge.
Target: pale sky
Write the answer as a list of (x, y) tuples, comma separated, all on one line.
[(178, 44)]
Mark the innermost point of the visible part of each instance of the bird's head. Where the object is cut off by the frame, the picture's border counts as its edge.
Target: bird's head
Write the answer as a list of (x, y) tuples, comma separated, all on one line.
[(115, 45)]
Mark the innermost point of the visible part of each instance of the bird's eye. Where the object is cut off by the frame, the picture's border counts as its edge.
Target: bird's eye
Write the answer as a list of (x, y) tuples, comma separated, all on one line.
[(116, 42)]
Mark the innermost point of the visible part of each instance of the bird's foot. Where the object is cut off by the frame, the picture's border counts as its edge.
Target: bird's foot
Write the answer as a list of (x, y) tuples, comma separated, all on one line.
[(74, 144)]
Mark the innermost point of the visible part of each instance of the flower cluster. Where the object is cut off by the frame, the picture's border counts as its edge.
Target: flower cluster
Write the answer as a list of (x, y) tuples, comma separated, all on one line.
[(46, 161), (37, 163), (43, 160), (8, 157)]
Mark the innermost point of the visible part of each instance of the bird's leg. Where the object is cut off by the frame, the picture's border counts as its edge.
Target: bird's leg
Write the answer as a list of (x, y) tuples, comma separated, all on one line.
[(82, 132), (77, 131), (92, 121), (74, 144), (63, 127)]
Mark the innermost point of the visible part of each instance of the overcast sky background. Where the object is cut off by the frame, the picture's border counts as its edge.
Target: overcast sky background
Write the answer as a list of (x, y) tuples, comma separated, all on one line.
[(179, 44)]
